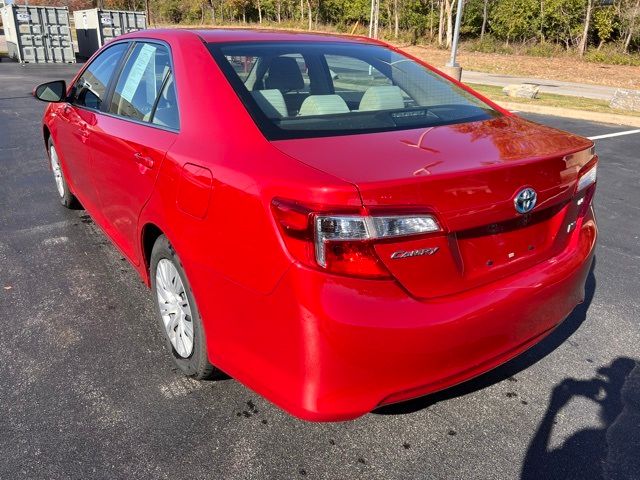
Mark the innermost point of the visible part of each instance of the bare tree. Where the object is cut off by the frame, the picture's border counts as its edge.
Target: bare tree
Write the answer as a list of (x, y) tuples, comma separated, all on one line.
[(441, 23), (212, 9), (633, 17), (582, 46), (396, 18), (541, 21), (431, 21), (376, 18), (448, 7), (485, 13)]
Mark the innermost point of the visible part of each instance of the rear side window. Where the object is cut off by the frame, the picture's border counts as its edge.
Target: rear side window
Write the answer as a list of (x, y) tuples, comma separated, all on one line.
[(145, 87), (166, 110), (90, 89)]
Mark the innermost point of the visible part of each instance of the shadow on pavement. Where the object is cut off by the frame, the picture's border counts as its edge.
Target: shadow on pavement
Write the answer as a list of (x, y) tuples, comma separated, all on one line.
[(512, 367), (609, 452)]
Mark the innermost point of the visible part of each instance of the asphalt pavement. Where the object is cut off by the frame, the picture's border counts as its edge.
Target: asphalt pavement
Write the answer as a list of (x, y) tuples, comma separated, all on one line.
[(87, 391)]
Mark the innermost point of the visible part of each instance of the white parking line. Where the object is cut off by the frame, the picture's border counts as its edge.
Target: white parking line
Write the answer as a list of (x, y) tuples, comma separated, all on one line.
[(617, 134)]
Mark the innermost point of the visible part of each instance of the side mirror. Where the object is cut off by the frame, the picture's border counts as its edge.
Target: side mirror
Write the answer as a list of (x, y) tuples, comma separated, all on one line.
[(54, 91)]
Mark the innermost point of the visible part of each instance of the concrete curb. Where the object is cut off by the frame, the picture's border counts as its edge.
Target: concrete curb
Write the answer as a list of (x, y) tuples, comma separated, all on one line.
[(613, 118)]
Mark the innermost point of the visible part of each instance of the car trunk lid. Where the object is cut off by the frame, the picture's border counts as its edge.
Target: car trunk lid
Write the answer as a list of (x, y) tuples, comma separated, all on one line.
[(468, 176)]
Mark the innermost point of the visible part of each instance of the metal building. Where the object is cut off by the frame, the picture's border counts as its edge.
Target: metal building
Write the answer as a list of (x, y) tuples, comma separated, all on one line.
[(96, 27), (38, 34)]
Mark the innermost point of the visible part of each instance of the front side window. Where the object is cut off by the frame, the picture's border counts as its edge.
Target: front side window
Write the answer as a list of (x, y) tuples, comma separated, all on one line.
[(90, 89), (297, 90), (145, 88)]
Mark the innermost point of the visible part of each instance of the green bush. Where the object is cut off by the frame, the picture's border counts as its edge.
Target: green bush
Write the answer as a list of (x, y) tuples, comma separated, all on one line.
[(172, 11), (488, 45), (612, 55), (545, 49), (515, 21)]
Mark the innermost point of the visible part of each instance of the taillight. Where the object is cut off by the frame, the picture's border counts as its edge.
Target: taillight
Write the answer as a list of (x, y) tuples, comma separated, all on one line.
[(355, 258), (586, 188), (343, 243), (588, 178)]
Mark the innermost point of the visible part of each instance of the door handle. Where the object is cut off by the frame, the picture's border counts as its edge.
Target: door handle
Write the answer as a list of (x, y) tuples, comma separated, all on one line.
[(143, 160), (83, 132)]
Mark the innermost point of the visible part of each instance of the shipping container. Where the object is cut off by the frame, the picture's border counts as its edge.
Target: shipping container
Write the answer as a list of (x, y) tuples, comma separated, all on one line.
[(96, 27), (37, 34)]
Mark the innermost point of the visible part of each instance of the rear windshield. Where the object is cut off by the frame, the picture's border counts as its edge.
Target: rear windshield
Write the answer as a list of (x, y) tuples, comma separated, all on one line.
[(297, 90)]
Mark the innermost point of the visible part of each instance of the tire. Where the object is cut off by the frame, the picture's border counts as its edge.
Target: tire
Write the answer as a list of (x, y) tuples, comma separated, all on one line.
[(176, 298), (64, 194)]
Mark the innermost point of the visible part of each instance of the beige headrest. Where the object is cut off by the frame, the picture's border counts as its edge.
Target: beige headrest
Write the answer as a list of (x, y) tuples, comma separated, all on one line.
[(388, 97), (271, 102), (323, 105)]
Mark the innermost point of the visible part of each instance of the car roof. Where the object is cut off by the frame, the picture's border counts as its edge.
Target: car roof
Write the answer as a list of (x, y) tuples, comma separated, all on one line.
[(224, 35)]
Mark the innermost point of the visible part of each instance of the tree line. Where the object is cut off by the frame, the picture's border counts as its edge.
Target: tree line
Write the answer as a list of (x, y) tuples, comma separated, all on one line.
[(571, 24)]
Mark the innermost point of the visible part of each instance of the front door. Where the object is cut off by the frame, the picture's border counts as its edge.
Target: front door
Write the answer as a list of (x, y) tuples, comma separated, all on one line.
[(130, 141), (79, 115)]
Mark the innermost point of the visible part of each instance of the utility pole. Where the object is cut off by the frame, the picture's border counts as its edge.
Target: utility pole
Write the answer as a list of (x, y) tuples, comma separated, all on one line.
[(452, 68)]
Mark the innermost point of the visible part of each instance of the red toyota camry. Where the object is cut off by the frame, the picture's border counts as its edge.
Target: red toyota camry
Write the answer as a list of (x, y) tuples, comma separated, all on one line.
[(332, 222)]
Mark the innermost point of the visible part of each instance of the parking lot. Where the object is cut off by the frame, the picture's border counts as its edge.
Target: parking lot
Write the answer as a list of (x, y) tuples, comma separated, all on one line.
[(86, 390)]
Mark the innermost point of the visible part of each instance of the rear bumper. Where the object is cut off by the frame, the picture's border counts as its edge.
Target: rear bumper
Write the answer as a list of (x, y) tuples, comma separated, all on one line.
[(346, 346)]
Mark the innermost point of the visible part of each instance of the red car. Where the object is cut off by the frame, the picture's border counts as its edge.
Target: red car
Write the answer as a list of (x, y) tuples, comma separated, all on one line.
[(330, 221)]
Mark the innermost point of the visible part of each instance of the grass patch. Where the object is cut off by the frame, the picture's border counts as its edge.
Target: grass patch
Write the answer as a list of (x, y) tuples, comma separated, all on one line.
[(552, 100)]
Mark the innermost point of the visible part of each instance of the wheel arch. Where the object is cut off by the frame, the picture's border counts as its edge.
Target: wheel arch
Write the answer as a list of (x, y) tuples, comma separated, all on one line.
[(149, 234), (46, 134)]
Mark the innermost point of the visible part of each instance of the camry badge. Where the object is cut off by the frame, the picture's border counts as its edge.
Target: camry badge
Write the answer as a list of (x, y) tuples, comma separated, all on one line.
[(414, 253), (525, 200)]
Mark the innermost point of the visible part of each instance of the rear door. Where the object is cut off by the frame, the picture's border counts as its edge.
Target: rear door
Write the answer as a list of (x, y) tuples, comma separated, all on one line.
[(130, 141), (79, 114)]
